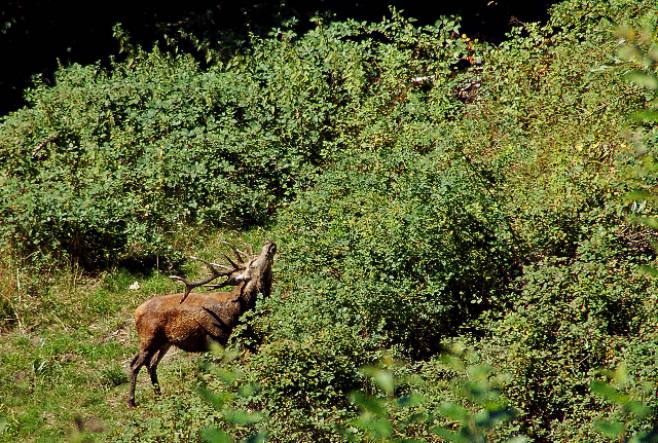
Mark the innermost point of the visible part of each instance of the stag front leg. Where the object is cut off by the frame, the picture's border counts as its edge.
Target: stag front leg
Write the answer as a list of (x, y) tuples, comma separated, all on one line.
[(140, 360), (153, 367)]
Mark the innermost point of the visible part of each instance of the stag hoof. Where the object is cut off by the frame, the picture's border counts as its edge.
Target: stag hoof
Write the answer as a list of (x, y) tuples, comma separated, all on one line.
[(131, 403)]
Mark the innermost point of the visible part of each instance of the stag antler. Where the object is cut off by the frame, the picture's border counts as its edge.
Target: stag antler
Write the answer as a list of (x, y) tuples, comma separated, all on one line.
[(240, 256), (215, 274)]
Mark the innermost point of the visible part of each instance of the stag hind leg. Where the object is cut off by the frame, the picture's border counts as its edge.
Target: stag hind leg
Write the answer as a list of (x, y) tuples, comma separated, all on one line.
[(153, 367), (142, 358)]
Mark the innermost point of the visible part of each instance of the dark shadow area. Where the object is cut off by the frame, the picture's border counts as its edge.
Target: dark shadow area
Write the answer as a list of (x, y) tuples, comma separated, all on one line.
[(34, 34)]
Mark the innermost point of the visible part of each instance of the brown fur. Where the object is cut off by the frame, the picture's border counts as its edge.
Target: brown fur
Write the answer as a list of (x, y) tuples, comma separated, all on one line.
[(164, 321)]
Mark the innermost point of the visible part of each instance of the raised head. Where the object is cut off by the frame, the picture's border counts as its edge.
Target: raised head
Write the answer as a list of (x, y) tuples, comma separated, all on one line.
[(255, 272), (258, 273)]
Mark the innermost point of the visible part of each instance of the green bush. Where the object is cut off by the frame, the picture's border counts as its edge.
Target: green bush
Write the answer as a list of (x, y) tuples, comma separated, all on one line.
[(411, 245), (442, 210), (108, 164), (570, 320)]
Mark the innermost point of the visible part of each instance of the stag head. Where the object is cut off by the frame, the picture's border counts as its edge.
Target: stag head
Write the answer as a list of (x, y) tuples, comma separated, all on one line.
[(254, 270)]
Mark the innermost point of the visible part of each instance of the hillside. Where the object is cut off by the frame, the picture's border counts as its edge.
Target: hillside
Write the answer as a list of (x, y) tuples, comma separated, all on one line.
[(474, 220)]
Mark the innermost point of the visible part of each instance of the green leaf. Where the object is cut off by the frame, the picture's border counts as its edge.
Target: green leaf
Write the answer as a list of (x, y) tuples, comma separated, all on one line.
[(645, 437), (384, 379), (247, 390), (480, 372), (645, 116), (454, 411), (413, 399), (452, 362), (651, 222), (368, 403), (606, 391), (217, 400), (502, 415), (260, 437), (380, 427), (609, 428), (642, 79), (242, 418), (637, 408), (638, 194), (450, 435), (650, 270), (227, 376), (483, 420), (214, 435)]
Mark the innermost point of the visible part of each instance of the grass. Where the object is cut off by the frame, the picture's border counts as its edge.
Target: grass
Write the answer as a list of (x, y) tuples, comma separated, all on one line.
[(72, 373), (64, 367)]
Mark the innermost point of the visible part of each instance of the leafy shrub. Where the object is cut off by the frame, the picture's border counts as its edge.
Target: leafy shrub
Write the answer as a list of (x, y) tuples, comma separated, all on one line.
[(111, 163), (411, 245), (402, 408), (634, 411), (570, 320), (424, 223)]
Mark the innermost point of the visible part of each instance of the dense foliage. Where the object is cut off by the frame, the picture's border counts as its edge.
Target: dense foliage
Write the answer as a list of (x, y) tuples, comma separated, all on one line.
[(52, 32), (425, 190), (109, 163)]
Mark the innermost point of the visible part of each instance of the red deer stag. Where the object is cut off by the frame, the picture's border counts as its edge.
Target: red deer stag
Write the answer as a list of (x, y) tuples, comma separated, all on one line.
[(190, 320)]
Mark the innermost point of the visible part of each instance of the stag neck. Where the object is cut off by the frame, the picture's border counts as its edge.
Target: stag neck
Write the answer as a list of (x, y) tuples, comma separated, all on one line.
[(249, 294), (250, 290)]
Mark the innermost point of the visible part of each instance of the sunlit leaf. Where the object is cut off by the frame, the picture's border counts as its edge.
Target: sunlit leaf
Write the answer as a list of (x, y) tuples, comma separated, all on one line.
[(642, 79), (454, 411), (609, 428), (214, 435)]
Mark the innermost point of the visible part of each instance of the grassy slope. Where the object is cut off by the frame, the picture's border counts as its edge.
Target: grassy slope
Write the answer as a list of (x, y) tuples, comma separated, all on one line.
[(69, 365), (66, 361)]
